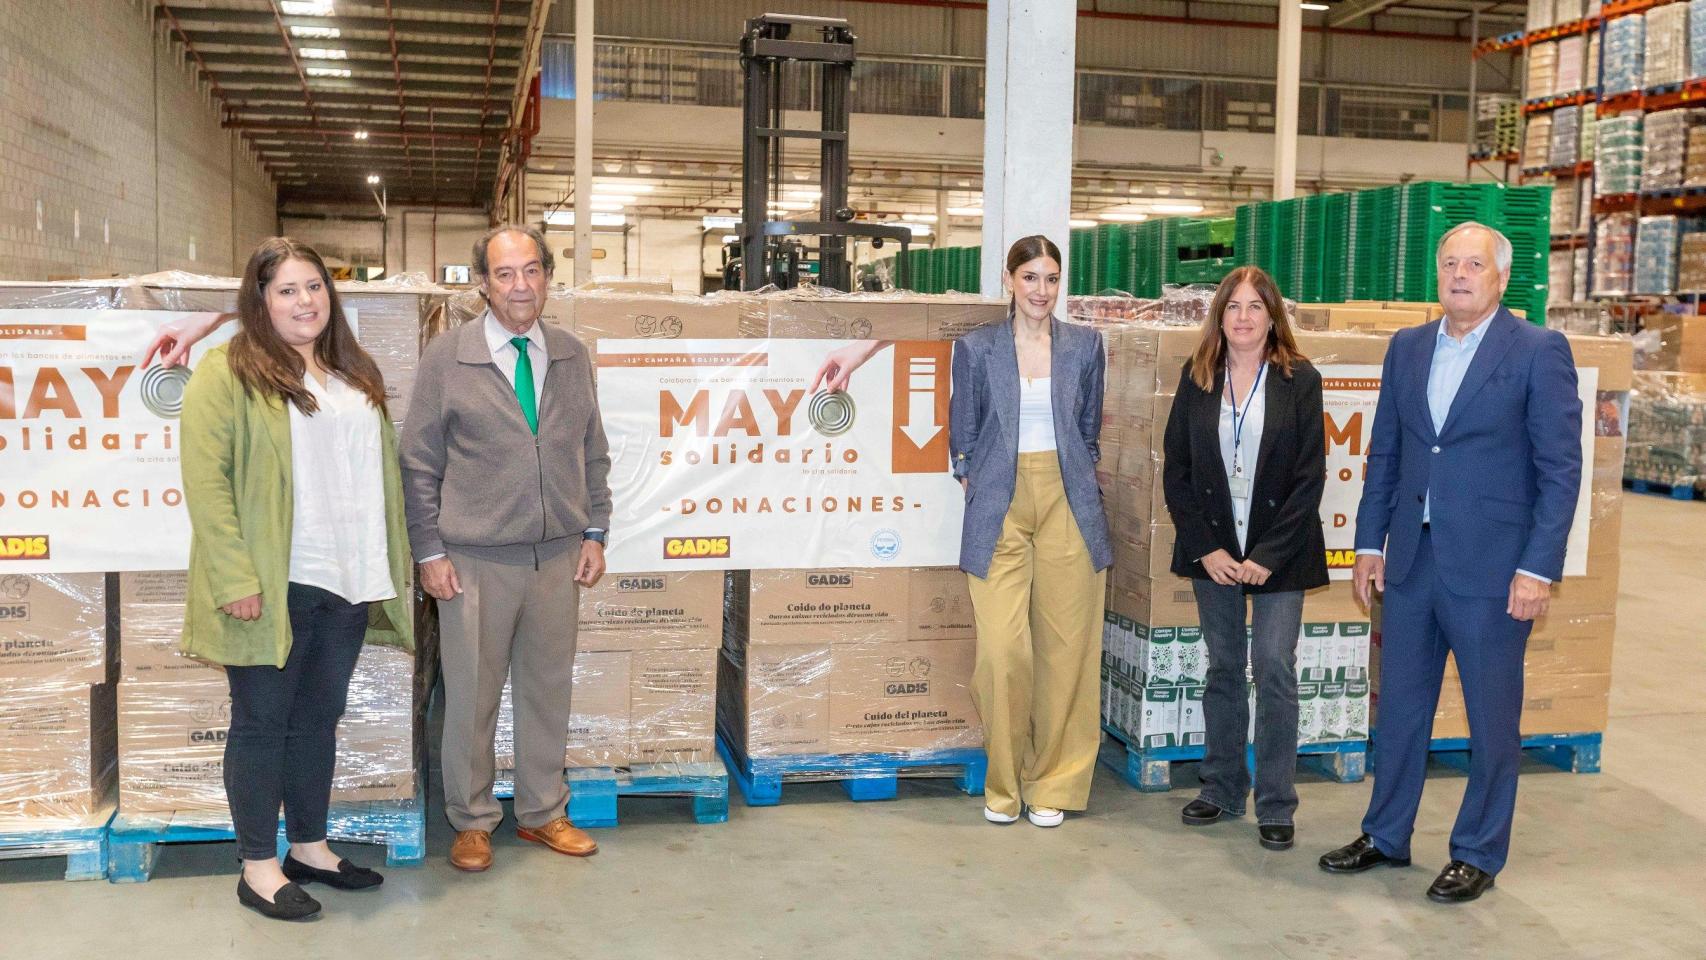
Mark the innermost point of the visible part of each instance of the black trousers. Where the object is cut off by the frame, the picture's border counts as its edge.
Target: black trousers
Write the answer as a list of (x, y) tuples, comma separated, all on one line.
[(283, 744)]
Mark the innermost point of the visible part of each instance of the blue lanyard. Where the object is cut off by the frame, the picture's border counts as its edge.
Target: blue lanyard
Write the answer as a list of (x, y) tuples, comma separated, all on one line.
[(1238, 418)]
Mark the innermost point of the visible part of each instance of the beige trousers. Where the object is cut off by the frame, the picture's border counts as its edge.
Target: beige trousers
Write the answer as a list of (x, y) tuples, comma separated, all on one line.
[(1037, 684), (508, 620)]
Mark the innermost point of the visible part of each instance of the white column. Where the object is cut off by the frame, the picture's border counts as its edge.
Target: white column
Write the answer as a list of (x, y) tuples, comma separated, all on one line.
[(1027, 128), (1285, 99), (585, 85)]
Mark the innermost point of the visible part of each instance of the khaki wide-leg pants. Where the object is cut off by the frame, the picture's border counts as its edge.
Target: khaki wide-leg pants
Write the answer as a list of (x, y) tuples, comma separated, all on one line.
[(515, 623), (1037, 684)]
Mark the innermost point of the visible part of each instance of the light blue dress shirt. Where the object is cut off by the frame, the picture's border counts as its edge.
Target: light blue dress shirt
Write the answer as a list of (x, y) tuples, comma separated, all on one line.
[(1452, 358)]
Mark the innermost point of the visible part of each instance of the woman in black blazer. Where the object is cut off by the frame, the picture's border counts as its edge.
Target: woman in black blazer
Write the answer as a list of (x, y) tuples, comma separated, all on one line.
[(1245, 466)]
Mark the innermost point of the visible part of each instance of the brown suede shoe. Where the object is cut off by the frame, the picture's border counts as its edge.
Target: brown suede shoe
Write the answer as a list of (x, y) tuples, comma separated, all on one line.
[(471, 850), (562, 836)]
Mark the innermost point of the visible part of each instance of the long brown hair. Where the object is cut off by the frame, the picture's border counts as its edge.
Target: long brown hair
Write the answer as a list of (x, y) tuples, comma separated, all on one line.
[(1210, 354), (1023, 251), (263, 363)]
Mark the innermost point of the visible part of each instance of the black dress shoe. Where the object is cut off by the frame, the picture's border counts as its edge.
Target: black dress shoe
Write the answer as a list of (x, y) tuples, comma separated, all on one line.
[(291, 902), (1200, 813), (1276, 836), (1459, 883), (347, 876), (1357, 856)]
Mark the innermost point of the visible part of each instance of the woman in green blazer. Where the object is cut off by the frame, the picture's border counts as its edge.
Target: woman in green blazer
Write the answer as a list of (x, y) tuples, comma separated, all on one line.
[(298, 555)]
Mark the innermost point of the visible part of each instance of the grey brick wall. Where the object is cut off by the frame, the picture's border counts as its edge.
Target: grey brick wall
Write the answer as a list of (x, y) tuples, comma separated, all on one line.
[(112, 160)]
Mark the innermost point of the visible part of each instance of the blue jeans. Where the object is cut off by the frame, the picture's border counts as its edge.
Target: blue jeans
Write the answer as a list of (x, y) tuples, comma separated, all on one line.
[(284, 725), (1271, 649)]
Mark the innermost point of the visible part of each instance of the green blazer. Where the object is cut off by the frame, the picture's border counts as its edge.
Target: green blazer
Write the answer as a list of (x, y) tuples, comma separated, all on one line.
[(235, 451)]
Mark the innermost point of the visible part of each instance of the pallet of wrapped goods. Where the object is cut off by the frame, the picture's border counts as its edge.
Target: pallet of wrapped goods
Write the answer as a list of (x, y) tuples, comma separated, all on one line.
[(1567, 665), (58, 764), (1566, 206), (1672, 341), (1667, 432), (1537, 142), (1694, 151), (856, 675), (1691, 263), (1587, 147), (819, 314), (1664, 148), (1560, 265), (1572, 61), (1656, 240), (1614, 255), (1542, 70), (643, 696), (1579, 276), (1665, 57), (1540, 14), (1623, 54), (1696, 39), (1566, 136)]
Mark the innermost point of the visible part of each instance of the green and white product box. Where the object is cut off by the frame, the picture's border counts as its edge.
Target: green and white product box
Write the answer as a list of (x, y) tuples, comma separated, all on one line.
[(1192, 730)]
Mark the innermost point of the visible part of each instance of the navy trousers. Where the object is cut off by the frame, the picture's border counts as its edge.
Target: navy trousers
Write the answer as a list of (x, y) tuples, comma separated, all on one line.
[(1422, 622)]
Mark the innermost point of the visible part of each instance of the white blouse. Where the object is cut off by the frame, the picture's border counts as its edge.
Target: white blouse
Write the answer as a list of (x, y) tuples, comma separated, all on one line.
[(337, 531), (1036, 415), (1242, 462)]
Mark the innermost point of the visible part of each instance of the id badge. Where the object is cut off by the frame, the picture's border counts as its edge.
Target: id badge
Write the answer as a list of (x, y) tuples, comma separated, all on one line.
[(1240, 487)]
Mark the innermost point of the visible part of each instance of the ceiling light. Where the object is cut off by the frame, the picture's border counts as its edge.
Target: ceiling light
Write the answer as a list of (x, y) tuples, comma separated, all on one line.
[(918, 229), (789, 205), (324, 53), (616, 198), (1177, 208), (1314, 6), (373, 178), (326, 72), (361, 134), (806, 194), (305, 8), (566, 218), (719, 223), (730, 238), (1123, 217), (1076, 224), (603, 205), (621, 186), (919, 217), (316, 33), (965, 211)]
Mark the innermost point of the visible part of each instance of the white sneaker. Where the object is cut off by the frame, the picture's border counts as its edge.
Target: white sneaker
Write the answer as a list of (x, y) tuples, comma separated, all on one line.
[(994, 817), (1045, 816)]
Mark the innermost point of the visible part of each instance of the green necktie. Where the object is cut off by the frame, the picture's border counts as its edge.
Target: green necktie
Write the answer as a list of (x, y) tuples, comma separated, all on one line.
[(524, 383)]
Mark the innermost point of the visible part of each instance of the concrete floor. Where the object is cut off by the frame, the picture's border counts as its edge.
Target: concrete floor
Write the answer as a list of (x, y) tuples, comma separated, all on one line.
[(1603, 866)]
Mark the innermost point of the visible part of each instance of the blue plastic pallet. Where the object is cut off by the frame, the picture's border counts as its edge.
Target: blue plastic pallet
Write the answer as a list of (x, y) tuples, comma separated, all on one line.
[(1570, 752), (593, 790), (133, 844), (1151, 769), (864, 776), (83, 847), (1681, 491)]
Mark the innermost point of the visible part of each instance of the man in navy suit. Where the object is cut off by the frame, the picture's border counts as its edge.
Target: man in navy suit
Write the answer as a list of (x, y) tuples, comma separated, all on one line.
[(1473, 471)]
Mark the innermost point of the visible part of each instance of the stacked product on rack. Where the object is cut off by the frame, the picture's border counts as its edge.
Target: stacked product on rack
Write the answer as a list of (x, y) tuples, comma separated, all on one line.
[(1656, 241), (1665, 57), (1586, 145), (1542, 70), (1568, 78), (1664, 146), (1566, 205), (1537, 143), (1617, 160), (1559, 268), (1624, 55), (1498, 120), (1579, 275), (1667, 429), (1566, 137), (1541, 14), (1694, 159), (1691, 263), (1614, 255), (1696, 39)]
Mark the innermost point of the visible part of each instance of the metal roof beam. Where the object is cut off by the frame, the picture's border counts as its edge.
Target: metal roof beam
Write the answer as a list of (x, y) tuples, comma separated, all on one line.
[(509, 34)]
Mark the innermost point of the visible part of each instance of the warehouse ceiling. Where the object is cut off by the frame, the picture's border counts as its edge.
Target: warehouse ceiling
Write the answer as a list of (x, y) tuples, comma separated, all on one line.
[(331, 93)]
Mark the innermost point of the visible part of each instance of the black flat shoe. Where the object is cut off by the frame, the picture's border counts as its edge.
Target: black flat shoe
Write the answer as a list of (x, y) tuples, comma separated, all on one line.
[(347, 876), (1459, 883), (289, 903), (1276, 836), (1200, 813), (1357, 856)]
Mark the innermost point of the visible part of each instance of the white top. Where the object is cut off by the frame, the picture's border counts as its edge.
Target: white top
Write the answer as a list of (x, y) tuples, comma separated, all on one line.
[(337, 531), (504, 353), (1036, 415), (1241, 463)]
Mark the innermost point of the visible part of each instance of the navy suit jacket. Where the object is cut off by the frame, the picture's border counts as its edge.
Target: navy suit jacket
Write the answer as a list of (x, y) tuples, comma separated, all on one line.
[(983, 431), (1503, 473)]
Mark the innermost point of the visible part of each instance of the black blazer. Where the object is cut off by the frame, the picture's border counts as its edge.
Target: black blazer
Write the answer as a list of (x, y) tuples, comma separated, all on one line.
[(1291, 470)]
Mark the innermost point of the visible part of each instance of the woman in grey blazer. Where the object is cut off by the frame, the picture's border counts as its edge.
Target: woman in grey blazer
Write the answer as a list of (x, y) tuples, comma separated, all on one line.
[(1023, 423)]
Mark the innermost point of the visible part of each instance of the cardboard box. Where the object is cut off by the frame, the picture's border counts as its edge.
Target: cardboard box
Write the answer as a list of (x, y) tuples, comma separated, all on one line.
[(1335, 316), (1682, 342), (952, 316), (629, 316), (1565, 703), (151, 626), (1614, 356), (652, 611), (54, 629), (773, 700), (58, 750), (853, 605), (807, 317), (171, 746)]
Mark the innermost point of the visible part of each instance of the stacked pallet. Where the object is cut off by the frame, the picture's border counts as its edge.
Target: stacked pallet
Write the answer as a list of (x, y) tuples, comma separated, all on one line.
[(1667, 430)]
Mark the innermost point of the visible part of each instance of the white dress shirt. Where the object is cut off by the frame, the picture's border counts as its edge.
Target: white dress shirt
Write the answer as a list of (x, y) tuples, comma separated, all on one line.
[(1241, 462), (337, 531), (504, 353), (1036, 415)]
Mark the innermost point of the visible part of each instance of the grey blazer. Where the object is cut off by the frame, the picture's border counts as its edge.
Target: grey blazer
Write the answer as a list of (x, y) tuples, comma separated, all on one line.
[(983, 431)]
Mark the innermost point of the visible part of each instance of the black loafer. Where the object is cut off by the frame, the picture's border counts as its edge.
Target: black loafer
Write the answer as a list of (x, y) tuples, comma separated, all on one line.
[(1359, 855), (1200, 813), (1459, 882), (291, 902), (347, 876), (1276, 836)]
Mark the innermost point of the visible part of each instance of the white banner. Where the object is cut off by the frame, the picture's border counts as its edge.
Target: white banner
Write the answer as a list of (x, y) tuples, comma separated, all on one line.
[(730, 454), (89, 477), (1349, 395)]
